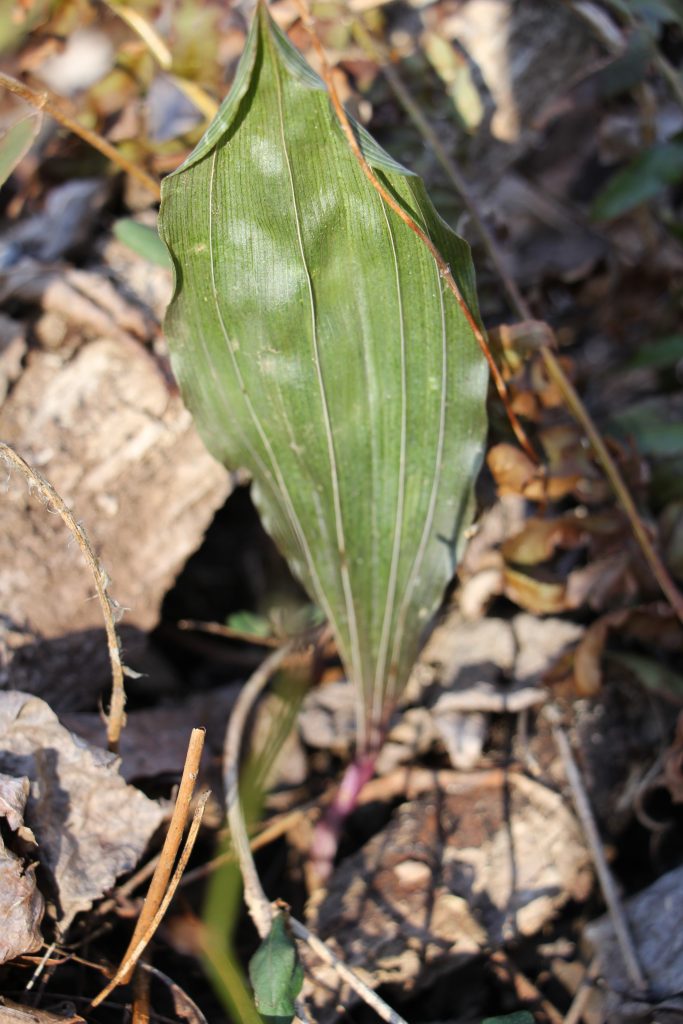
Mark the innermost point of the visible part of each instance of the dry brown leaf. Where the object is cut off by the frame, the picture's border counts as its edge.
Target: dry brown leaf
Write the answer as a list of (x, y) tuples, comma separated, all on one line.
[(515, 473), (512, 470), (122, 451), (543, 597), (450, 874), (540, 538), (90, 826), (587, 667), (21, 904), (15, 1013), (654, 919), (594, 584)]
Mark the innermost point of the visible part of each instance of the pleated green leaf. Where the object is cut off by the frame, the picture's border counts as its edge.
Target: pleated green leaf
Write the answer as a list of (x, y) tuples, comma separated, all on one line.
[(316, 345)]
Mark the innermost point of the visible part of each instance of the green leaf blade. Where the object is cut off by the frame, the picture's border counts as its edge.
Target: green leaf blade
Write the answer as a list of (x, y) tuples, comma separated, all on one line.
[(15, 141), (317, 345), (276, 974)]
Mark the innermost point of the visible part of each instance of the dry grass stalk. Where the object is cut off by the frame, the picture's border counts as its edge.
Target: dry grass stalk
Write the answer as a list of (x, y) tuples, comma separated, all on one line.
[(43, 101), (605, 877), (134, 952), (116, 716), (258, 904)]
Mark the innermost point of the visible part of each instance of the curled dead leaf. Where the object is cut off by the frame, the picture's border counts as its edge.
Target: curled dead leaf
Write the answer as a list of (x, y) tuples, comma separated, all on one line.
[(520, 340), (515, 473), (90, 826), (540, 538), (543, 597), (653, 623), (593, 584), (21, 904)]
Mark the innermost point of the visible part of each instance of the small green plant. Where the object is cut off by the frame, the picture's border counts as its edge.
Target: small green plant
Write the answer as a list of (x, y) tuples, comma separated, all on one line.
[(316, 343)]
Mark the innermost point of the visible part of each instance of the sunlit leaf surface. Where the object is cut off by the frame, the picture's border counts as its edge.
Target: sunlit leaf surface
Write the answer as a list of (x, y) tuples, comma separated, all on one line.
[(316, 345)]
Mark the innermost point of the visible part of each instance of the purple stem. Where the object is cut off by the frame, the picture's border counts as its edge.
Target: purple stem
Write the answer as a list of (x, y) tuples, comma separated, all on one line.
[(328, 830)]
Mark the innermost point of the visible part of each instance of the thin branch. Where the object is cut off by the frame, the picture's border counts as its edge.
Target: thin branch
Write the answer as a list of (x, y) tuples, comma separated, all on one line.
[(553, 367), (43, 101), (116, 716), (574, 1014), (368, 995), (605, 877), (218, 629), (133, 954), (640, 531), (258, 904), (162, 873), (181, 1000)]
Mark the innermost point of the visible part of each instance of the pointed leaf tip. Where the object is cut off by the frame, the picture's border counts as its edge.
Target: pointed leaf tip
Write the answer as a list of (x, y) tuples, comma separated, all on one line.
[(316, 345)]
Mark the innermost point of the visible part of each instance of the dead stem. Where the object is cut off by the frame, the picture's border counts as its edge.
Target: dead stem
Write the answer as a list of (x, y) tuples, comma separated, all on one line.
[(141, 1004), (43, 101), (605, 877), (258, 904), (116, 716), (134, 953), (162, 873), (368, 995), (553, 367)]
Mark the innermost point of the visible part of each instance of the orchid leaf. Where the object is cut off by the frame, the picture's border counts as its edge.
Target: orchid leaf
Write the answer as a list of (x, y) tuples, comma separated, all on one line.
[(317, 346), (16, 139), (276, 974)]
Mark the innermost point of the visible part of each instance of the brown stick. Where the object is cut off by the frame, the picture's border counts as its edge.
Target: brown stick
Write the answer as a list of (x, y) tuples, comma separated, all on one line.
[(134, 953), (160, 879), (116, 716), (43, 101), (610, 892)]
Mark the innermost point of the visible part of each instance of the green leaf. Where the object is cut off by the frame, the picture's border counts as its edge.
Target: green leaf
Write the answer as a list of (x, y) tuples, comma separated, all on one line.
[(657, 12), (642, 180), (16, 140), (654, 424), (143, 240), (659, 354), (519, 1017), (276, 974), (629, 68), (651, 673), (250, 622), (316, 344)]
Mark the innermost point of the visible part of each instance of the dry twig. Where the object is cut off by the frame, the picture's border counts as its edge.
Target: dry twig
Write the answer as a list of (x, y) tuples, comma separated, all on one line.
[(116, 716), (258, 904), (134, 953), (43, 101), (162, 873), (605, 877)]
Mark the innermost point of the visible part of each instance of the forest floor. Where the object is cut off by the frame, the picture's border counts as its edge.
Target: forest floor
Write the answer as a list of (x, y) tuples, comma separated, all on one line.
[(538, 751)]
